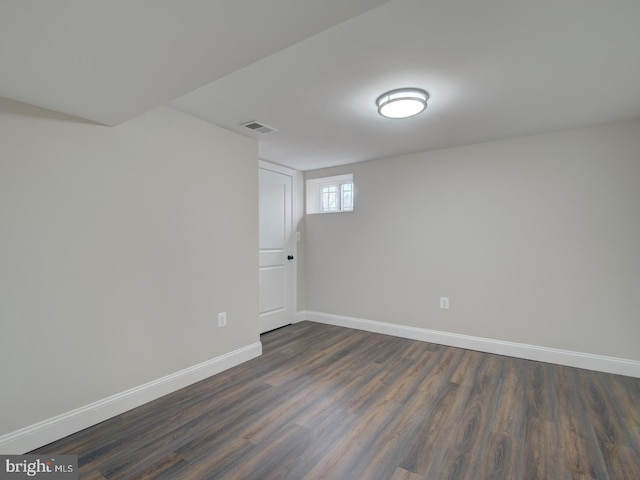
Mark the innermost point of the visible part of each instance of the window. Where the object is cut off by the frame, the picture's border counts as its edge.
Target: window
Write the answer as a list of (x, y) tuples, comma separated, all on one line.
[(330, 194)]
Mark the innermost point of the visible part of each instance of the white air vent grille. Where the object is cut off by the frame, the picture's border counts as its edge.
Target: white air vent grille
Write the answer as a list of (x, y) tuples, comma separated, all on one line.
[(259, 127)]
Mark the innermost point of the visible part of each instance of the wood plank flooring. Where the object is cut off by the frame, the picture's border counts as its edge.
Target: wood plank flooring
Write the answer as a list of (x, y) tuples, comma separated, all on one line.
[(325, 402)]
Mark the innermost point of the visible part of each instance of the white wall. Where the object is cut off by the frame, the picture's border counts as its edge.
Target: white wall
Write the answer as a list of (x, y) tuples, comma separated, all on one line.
[(118, 247), (535, 240)]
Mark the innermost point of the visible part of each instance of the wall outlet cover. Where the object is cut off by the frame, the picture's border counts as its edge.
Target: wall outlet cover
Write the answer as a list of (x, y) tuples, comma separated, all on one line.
[(444, 303)]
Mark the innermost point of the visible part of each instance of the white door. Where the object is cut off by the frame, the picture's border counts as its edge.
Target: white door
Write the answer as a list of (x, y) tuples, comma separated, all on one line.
[(276, 249)]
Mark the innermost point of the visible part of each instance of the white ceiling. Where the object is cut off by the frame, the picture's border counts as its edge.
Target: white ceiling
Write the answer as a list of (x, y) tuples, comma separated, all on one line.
[(111, 60), (494, 68)]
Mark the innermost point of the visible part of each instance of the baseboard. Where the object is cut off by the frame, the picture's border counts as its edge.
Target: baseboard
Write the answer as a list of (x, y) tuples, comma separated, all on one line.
[(47, 431), (299, 316), (620, 366)]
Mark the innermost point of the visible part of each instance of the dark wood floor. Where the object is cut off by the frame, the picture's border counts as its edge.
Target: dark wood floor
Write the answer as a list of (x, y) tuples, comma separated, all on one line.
[(334, 403)]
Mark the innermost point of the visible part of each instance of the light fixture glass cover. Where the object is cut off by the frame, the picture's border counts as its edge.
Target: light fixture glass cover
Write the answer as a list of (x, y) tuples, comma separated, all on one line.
[(402, 103)]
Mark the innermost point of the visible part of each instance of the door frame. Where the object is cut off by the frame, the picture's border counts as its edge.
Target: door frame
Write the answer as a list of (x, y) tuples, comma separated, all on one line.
[(295, 219)]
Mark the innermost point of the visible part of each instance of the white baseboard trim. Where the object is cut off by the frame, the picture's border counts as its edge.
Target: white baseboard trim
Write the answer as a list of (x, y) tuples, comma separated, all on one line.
[(600, 363), (299, 316), (47, 431)]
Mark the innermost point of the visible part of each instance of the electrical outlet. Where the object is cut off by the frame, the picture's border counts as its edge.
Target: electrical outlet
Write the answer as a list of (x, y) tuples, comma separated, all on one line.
[(444, 303), (222, 319)]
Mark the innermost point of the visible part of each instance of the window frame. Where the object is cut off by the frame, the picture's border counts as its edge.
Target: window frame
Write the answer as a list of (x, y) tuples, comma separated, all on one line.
[(316, 189)]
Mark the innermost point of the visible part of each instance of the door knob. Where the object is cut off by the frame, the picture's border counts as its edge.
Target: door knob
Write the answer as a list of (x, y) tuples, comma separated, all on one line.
[(289, 257)]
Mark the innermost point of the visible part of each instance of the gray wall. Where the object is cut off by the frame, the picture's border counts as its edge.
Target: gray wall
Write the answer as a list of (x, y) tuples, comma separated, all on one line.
[(535, 240), (298, 226), (118, 248)]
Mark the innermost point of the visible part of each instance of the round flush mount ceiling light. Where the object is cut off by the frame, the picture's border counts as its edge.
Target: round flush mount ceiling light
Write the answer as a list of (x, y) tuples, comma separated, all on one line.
[(402, 103)]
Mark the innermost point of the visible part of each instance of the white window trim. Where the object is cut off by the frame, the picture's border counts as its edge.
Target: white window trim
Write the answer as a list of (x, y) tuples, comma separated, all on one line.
[(314, 192)]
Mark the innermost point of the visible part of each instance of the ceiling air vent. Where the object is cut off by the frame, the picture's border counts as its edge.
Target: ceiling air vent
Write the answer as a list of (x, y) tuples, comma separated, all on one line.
[(259, 127)]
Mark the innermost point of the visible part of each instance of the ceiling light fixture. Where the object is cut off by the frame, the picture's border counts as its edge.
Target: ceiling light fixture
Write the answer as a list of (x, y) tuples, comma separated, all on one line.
[(402, 103)]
